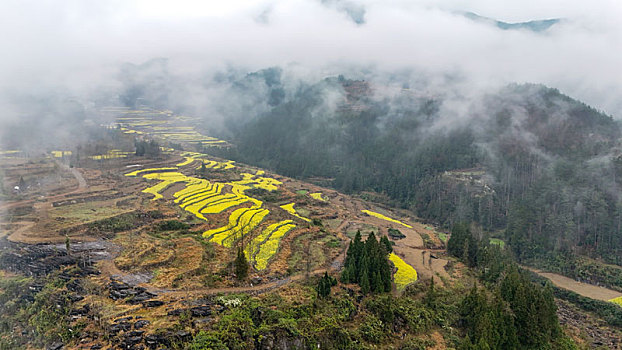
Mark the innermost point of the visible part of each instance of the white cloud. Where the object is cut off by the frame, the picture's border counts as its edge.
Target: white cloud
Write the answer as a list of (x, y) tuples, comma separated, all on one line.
[(77, 44)]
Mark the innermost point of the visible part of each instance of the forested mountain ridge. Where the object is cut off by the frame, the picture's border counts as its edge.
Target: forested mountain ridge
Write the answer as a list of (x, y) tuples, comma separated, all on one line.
[(550, 163)]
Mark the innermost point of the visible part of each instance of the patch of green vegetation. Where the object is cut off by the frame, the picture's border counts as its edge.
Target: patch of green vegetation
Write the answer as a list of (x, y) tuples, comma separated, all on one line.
[(427, 240), (333, 223), (124, 222), (83, 213), (336, 320), (172, 225), (334, 243), (442, 236), (396, 234), (302, 192), (365, 229), (498, 242), (304, 212), (265, 195)]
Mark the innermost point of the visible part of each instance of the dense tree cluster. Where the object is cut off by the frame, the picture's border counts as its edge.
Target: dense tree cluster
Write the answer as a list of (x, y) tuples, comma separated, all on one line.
[(517, 315), (149, 149), (367, 264)]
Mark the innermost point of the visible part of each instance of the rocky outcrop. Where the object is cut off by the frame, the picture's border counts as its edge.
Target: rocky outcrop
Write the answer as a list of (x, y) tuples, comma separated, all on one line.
[(132, 295)]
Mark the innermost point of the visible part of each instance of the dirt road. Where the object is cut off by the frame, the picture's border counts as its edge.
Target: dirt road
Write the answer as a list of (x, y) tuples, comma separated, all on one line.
[(584, 289)]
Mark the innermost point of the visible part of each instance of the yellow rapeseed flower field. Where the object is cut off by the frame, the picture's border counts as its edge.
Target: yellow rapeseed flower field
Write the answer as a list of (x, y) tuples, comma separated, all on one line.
[(290, 209), (380, 216), (318, 196), (186, 162), (405, 274), (241, 222), (135, 173), (267, 250)]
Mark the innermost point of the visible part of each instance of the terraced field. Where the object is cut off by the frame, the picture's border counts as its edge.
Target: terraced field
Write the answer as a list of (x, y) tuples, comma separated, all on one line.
[(202, 198), (383, 217), (264, 246), (405, 274), (290, 209), (241, 223), (163, 125), (112, 154)]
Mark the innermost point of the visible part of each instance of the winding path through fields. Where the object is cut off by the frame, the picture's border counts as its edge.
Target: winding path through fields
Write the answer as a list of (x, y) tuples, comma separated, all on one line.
[(584, 289)]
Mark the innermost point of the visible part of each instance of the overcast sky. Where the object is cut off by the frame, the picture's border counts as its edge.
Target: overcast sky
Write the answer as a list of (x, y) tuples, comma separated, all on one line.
[(77, 45)]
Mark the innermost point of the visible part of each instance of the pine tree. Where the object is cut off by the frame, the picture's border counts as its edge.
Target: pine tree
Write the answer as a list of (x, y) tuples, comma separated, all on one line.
[(377, 285), (349, 273), (364, 284), (241, 265), (324, 285), (430, 295), (22, 184), (456, 243), (387, 244)]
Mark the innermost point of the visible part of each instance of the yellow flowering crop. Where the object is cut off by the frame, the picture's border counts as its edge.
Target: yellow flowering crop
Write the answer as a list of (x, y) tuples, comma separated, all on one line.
[(405, 274), (266, 183), (617, 300), (155, 190), (253, 246), (380, 216), (186, 162), (290, 209), (135, 173), (241, 222), (167, 178), (267, 250), (219, 206), (225, 165), (317, 196), (193, 186), (108, 156), (56, 154), (207, 163), (203, 197)]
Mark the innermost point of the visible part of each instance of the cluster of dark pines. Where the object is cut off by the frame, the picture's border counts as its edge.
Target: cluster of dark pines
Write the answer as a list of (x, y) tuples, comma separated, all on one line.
[(367, 264)]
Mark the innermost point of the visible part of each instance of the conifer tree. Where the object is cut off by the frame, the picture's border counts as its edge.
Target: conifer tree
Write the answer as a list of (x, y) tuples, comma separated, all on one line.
[(364, 284), (241, 265), (324, 285), (387, 244)]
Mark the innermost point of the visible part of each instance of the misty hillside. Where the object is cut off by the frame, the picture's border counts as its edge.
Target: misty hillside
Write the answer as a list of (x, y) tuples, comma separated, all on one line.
[(548, 164)]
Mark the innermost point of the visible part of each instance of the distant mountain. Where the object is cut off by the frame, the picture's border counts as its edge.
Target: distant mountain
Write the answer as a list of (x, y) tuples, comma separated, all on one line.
[(534, 26)]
